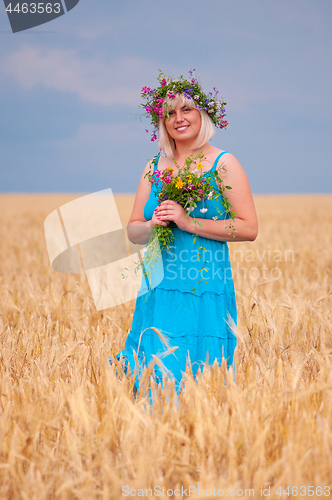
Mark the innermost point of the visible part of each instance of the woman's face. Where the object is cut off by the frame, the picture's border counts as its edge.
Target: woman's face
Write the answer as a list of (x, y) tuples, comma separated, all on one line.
[(184, 123)]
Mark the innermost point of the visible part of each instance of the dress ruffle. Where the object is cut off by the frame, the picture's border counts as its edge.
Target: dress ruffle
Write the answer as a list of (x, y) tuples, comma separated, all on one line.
[(199, 338)]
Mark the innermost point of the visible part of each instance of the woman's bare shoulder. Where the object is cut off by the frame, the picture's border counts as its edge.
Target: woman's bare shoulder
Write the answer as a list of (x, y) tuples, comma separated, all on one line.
[(230, 169), (164, 162), (230, 161)]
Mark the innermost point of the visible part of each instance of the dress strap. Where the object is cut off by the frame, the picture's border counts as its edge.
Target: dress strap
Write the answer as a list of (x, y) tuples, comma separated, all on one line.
[(217, 159), (155, 162)]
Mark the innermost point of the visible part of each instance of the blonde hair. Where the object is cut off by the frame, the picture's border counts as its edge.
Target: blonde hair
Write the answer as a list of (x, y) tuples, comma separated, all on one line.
[(207, 130)]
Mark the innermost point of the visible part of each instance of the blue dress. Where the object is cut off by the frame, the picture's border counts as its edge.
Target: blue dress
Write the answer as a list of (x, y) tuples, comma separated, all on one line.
[(200, 325)]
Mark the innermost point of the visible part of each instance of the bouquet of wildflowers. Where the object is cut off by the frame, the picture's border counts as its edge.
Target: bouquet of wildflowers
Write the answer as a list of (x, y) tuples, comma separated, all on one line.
[(187, 188)]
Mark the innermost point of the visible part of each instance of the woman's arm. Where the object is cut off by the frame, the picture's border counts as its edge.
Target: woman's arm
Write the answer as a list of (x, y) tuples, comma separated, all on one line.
[(241, 201), (139, 229)]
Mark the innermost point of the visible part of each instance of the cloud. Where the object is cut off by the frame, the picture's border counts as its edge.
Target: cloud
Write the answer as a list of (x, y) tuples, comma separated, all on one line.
[(93, 80), (101, 134), (95, 146), (109, 83)]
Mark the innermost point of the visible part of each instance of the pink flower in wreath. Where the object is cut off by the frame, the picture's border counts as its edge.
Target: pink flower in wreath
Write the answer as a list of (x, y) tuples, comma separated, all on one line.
[(168, 179)]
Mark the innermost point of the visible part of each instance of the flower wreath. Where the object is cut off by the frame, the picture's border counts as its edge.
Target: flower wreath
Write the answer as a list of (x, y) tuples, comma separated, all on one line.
[(155, 98)]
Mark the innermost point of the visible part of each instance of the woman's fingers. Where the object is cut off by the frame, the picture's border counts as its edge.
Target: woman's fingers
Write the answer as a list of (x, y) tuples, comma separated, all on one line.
[(162, 213), (165, 211), (157, 219)]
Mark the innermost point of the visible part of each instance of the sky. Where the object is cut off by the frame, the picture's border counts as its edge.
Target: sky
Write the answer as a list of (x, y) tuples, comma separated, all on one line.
[(70, 91)]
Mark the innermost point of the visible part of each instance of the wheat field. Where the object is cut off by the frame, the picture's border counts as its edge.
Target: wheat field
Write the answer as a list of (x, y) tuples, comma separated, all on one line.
[(70, 428)]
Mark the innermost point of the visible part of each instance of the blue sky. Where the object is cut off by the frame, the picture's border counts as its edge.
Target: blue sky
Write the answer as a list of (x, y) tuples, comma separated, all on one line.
[(70, 90)]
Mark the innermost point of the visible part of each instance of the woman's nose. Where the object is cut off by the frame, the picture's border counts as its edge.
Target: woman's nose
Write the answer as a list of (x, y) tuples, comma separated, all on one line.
[(179, 116)]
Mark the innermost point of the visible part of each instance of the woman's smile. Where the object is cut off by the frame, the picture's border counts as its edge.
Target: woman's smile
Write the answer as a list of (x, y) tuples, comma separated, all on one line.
[(182, 127)]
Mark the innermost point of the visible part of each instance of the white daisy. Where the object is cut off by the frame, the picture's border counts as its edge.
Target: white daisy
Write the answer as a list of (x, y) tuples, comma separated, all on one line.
[(203, 210)]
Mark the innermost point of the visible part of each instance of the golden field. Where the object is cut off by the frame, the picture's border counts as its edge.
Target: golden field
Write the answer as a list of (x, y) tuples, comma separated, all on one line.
[(71, 429)]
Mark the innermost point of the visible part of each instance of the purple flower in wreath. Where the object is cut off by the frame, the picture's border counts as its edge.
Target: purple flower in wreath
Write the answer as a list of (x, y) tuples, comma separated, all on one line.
[(188, 93)]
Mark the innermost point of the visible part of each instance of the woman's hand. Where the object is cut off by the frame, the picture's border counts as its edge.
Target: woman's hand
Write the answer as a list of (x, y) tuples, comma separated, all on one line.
[(157, 221), (171, 210)]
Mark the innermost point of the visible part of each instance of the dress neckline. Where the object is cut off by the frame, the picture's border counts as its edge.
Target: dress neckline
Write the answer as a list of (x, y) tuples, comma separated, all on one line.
[(203, 173)]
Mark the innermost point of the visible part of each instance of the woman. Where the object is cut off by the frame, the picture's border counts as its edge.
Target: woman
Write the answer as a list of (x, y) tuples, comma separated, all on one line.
[(178, 321)]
